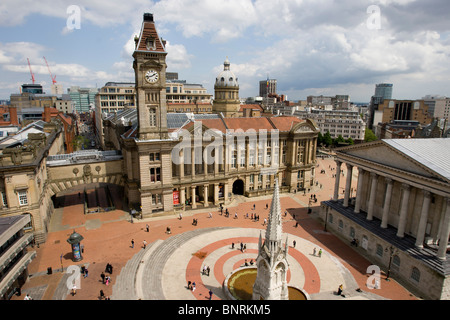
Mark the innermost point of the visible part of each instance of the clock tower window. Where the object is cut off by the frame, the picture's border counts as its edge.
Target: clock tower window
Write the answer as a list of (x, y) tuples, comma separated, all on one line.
[(152, 115)]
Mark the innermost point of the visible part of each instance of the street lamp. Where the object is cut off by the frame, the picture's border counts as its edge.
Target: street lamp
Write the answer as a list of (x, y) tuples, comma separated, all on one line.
[(392, 251)]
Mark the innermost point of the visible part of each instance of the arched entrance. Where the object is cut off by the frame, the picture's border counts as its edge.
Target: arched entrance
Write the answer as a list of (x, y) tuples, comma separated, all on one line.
[(238, 187)]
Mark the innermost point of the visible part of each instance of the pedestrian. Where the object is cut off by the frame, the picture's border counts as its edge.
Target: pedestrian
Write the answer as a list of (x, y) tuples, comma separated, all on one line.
[(340, 289), (314, 252), (132, 243), (103, 277), (102, 294), (232, 245), (235, 215), (189, 285), (85, 273), (245, 247), (320, 253), (74, 290), (210, 215), (147, 227), (144, 243), (294, 243), (253, 206), (108, 279), (208, 270), (180, 216), (265, 220), (204, 269), (210, 294), (193, 286), (242, 247), (27, 297)]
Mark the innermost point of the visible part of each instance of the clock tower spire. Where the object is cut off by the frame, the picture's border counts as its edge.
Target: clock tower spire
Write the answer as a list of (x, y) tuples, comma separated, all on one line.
[(150, 77)]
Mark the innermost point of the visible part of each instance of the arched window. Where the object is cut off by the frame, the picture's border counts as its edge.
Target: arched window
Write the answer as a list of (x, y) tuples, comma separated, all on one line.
[(379, 250), (395, 263), (415, 274), (352, 232), (341, 225)]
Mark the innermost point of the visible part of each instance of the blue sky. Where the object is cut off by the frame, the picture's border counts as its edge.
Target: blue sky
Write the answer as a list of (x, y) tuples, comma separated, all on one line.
[(311, 47)]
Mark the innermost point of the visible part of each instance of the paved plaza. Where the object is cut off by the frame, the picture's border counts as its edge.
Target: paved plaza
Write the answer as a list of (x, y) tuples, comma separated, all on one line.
[(163, 268)]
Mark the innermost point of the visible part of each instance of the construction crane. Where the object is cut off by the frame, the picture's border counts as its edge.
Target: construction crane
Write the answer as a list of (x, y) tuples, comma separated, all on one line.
[(32, 75), (51, 76)]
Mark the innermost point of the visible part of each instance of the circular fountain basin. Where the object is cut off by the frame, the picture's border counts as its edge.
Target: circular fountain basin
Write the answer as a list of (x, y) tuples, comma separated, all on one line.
[(238, 285)]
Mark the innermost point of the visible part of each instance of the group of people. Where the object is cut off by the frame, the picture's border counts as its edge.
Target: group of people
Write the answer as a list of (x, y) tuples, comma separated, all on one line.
[(206, 270)]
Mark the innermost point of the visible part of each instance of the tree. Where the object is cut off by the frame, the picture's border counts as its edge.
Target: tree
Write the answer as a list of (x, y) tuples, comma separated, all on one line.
[(319, 139), (369, 136), (350, 141), (327, 140)]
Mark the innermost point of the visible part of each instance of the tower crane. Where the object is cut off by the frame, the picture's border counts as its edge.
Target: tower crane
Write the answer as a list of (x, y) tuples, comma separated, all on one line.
[(51, 76), (32, 75)]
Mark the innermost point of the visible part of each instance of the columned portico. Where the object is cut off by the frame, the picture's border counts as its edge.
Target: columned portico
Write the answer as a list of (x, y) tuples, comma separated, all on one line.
[(445, 233)]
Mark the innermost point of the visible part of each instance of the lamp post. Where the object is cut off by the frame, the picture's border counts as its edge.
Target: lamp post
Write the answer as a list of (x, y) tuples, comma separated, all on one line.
[(392, 251)]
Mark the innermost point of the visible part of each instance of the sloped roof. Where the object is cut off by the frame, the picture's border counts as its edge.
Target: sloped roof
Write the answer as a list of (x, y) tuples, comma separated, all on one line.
[(432, 153)]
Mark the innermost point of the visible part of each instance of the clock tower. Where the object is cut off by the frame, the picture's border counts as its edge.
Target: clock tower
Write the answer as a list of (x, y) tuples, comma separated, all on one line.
[(148, 150), (150, 77)]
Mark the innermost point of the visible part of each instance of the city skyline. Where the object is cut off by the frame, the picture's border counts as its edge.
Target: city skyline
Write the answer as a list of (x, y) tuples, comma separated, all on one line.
[(310, 48)]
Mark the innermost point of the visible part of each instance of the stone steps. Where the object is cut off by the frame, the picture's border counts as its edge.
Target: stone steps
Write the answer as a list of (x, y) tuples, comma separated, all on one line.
[(125, 285), (152, 273)]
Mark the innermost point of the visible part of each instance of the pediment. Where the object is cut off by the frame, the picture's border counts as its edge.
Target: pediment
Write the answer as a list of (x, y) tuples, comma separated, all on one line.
[(384, 155), (304, 127)]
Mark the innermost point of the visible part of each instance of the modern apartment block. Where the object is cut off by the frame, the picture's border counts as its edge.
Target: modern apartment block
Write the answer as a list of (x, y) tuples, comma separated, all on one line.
[(187, 97)]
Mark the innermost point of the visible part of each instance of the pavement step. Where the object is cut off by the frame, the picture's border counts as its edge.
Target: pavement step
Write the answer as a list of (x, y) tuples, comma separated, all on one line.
[(152, 276), (124, 287)]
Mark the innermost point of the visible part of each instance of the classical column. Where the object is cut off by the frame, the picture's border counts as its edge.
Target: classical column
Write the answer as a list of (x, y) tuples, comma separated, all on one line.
[(373, 194), (359, 190), (336, 180), (192, 161), (348, 184), (403, 210), (423, 219), (387, 203), (216, 194), (193, 200), (181, 165), (205, 195), (445, 232), (183, 196)]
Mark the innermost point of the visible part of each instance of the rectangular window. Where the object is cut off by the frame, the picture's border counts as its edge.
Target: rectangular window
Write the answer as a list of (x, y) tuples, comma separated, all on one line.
[(155, 174), (4, 199), (23, 200), (152, 119)]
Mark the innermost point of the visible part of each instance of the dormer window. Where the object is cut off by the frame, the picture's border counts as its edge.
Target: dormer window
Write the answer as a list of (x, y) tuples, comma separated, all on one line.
[(150, 44)]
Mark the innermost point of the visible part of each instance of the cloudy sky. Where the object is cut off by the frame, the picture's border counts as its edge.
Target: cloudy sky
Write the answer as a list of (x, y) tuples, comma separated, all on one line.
[(311, 47)]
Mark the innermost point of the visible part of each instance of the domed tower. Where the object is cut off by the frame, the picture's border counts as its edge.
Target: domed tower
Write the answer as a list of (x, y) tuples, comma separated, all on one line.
[(226, 93)]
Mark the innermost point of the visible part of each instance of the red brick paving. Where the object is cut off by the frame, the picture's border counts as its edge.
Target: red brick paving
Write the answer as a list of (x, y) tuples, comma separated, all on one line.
[(110, 243)]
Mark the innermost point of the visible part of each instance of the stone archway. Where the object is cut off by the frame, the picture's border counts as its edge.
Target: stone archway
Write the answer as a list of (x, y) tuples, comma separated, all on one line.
[(238, 187)]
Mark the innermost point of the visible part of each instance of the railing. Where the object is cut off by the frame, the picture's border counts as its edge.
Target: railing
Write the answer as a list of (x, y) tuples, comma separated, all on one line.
[(83, 155)]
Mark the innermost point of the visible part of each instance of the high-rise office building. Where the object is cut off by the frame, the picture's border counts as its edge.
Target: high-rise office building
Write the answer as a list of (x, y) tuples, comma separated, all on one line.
[(267, 87), (384, 90), (83, 98)]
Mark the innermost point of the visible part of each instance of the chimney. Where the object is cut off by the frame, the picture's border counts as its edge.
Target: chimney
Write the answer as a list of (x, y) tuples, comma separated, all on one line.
[(13, 116), (47, 114)]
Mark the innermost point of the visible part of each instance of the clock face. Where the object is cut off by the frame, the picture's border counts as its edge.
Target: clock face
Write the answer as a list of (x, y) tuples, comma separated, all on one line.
[(151, 76)]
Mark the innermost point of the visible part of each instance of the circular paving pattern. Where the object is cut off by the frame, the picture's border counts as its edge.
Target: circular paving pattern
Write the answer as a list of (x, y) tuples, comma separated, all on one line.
[(311, 273)]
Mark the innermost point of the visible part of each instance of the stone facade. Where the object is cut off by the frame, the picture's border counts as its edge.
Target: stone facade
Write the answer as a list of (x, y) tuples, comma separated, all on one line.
[(399, 210)]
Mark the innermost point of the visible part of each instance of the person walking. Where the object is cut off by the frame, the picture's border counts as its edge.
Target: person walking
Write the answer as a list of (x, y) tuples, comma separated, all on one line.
[(294, 243), (147, 228), (210, 294), (103, 277), (86, 273), (320, 253), (144, 244), (102, 294), (314, 252), (132, 243)]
